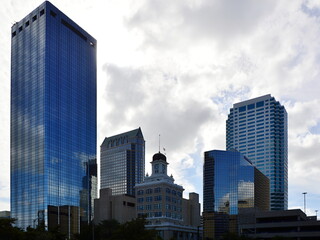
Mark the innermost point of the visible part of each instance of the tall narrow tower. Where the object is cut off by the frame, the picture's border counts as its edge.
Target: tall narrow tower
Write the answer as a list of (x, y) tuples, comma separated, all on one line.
[(53, 119), (122, 162), (258, 129)]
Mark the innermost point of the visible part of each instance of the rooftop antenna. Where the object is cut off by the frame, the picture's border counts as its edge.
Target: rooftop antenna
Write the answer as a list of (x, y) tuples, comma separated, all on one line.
[(159, 142)]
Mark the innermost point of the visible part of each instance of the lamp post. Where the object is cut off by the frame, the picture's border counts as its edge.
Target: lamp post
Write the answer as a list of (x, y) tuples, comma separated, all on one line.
[(304, 201)]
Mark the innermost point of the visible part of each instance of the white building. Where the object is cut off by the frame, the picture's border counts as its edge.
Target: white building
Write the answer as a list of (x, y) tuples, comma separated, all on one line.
[(160, 200)]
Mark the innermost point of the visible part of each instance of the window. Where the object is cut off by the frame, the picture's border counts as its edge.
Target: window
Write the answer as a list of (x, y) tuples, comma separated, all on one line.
[(242, 109), (73, 29), (251, 106), (27, 23), (53, 14), (41, 12), (157, 206), (34, 18), (158, 214), (158, 198), (260, 104)]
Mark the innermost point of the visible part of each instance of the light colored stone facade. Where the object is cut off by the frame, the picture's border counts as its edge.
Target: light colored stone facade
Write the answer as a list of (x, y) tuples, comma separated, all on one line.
[(119, 207), (160, 201)]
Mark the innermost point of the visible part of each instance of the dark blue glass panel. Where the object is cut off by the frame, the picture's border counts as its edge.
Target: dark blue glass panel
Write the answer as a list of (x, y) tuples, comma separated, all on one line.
[(260, 104), (251, 106), (242, 109)]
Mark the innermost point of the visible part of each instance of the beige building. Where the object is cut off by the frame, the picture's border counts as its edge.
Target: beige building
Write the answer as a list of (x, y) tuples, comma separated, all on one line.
[(4, 214), (160, 200), (119, 207)]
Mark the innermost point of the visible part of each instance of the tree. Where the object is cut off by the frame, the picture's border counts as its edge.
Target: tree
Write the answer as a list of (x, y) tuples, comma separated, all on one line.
[(135, 230), (7, 231)]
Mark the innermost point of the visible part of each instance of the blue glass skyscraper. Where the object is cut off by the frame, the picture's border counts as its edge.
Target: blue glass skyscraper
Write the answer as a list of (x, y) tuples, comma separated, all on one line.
[(53, 119), (258, 129), (122, 160), (230, 182)]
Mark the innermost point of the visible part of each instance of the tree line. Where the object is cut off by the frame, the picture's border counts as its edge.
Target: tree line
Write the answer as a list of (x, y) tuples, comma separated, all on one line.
[(106, 230)]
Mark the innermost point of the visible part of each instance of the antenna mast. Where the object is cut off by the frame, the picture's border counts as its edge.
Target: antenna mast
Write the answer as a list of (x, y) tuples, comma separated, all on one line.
[(159, 142)]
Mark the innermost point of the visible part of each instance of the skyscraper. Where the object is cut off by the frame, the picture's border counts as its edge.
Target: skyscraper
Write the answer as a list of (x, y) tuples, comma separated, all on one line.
[(258, 129), (122, 162), (53, 119), (230, 182)]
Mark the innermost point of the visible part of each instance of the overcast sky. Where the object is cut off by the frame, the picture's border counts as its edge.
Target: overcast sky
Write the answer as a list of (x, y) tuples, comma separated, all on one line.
[(175, 67)]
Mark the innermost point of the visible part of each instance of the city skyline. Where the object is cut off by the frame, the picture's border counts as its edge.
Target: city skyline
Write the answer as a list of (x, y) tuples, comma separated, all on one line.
[(191, 61)]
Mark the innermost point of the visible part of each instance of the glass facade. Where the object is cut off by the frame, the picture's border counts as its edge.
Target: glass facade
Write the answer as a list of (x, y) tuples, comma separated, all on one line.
[(228, 182), (258, 129), (122, 162), (53, 118)]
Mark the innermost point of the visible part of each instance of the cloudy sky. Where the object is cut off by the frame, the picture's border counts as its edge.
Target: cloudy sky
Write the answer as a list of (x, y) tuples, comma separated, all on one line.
[(176, 67)]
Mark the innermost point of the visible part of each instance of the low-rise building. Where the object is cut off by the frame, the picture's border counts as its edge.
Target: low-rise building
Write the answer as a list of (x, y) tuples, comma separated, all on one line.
[(5, 214), (293, 224), (119, 207), (161, 202)]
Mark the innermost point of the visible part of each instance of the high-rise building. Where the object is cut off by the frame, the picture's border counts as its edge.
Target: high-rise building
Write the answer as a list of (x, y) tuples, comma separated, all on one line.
[(230, 182), (53, 119), (258, 129), (122, 162), (161, 201)]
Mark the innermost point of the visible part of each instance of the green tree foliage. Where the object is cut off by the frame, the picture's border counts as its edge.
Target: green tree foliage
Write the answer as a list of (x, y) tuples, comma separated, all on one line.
[(8, 232), (106, 230), (113, 230)]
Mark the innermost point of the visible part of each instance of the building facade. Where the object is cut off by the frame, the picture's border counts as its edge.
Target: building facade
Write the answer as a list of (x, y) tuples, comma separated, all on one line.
[(5, 214), (230, 182), (121, 207), (122, 162), (288, 224), (53, 118), (258, 129), (161, 201)]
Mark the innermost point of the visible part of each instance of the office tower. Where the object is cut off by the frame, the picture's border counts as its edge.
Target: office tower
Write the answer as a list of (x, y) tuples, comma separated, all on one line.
[(258, 129), (230, 182), (122, 162), (53, 119), (160, 200)]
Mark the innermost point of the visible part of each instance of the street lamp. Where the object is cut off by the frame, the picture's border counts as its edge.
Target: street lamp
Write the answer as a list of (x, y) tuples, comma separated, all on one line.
[(304, 201)]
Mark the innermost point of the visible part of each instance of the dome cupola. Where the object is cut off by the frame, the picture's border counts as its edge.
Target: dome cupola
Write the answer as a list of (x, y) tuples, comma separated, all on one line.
[(159, 156), (159, 164)]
